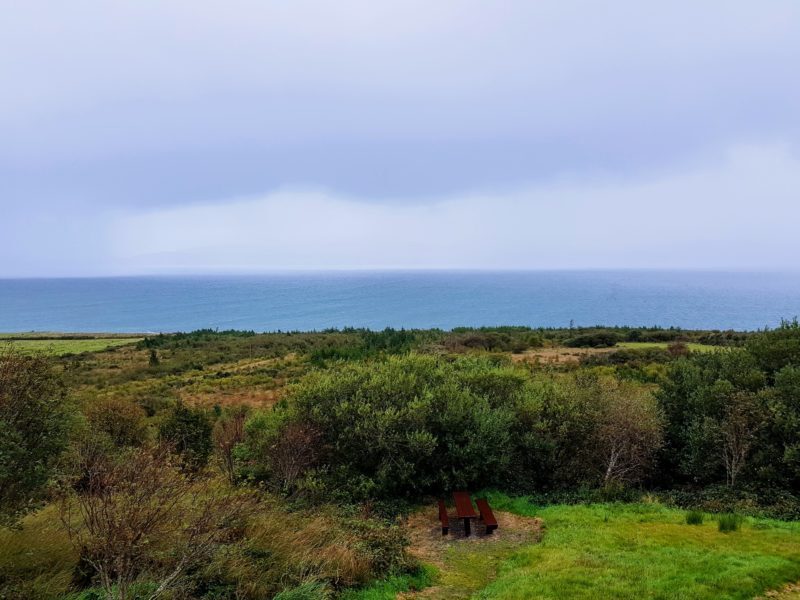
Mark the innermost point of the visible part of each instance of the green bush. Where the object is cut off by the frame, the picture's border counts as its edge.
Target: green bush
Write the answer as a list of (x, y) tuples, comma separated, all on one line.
[(188, 430), (410, 425), (600, 339), (34, 427), (694, 517), (729, 522)]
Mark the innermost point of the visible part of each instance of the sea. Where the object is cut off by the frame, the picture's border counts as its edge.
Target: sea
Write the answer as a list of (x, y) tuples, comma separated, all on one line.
[(304, 301)]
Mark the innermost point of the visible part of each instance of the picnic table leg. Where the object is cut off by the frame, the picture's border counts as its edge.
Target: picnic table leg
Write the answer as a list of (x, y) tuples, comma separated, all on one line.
[(466, 528)]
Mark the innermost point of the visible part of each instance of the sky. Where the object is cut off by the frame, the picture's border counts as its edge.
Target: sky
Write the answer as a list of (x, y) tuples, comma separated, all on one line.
[(171, 136)]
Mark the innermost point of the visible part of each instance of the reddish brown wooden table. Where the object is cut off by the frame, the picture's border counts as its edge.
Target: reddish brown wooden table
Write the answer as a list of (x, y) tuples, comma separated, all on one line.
[(464, 509)]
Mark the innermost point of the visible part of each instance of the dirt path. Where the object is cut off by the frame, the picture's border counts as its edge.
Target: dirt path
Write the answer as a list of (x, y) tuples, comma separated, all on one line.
[(558, 355), (789, 592), (465, 564)]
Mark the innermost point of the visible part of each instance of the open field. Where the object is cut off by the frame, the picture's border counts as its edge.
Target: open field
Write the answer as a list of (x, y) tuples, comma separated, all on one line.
[(621, 551), (63, 346), (564, 355), (646, 345)]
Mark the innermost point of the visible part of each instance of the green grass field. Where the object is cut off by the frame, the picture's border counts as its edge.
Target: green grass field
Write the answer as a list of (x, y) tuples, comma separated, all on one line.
[(60, 347), (645, 345), (629, 551)]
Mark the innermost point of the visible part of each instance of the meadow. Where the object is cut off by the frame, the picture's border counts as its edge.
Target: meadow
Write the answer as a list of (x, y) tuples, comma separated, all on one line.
[(61, 346)]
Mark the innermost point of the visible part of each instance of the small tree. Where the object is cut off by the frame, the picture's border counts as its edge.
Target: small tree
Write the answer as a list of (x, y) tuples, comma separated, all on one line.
[(138, 518), (33, 430), (293, 453), (628, 434), (188, 431), (737, 432)]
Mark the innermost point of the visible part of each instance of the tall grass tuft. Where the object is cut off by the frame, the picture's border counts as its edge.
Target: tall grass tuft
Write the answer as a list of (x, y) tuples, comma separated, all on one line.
[(694, 517), (311, 590), (729, 522)]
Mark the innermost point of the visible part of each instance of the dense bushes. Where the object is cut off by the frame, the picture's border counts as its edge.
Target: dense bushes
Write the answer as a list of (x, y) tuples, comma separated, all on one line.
[(33, 430), (417, 424), (734, 416), (408, 426), (600, 339), (368, 423)]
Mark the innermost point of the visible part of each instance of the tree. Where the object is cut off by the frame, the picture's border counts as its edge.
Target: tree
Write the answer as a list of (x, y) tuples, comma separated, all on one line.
[(628, 432), (737, 433), (188, 431), (33, 430), (137, 518), (695, 399), (782, 431)]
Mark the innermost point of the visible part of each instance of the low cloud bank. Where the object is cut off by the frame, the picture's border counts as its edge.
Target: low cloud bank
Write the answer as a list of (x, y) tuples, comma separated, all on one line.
[(735, 213)]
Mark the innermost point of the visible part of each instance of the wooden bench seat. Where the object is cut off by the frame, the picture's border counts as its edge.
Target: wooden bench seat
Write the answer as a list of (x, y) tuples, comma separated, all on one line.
[(487, 516), (444, 518)]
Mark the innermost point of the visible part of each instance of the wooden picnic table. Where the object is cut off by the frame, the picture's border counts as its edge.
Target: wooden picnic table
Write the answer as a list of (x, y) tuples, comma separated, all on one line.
[(464, 509)]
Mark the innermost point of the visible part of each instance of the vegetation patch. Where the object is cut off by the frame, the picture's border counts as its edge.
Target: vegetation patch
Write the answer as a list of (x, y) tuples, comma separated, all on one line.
[(643, 551), (63, 347)]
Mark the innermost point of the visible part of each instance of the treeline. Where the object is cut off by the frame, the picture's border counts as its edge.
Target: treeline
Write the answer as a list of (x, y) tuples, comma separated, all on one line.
[(184, 351), (423, 424)]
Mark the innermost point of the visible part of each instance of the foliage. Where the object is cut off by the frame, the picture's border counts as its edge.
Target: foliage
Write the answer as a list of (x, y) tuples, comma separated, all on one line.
[(121, 420), (600, 339), (33, 430), (285, 549), (188, 431), (137, 518), (777, 348), (338, 432), (408, 426), (227, 434)]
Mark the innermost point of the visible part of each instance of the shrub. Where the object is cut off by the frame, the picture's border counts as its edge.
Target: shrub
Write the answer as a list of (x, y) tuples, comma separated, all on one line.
[(729, 522), (694, 517), (407, 426), (600, 339), (121, 420), (33, 430), (188, 431)]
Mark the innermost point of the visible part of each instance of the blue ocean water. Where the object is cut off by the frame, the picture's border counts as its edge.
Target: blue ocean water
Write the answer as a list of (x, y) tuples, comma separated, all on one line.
[(305, 301)]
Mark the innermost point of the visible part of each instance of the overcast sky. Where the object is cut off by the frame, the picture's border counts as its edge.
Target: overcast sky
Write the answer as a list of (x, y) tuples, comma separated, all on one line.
[(159, 136)]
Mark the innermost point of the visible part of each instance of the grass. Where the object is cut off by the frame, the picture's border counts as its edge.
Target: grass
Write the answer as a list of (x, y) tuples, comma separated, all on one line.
[(37, 559), (387, 589), (729, 522), (61, 347), (695, 517), (647, 345), (630, 551)]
